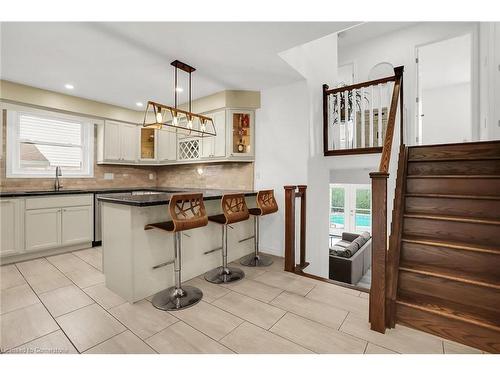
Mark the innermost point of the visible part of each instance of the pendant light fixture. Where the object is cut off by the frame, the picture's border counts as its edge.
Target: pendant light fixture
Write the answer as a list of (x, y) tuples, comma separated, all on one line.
[(161, 116)]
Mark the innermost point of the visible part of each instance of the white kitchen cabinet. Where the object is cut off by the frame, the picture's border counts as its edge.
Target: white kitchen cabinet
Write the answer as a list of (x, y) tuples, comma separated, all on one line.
[(111, 143), (42, 229), (117, 142), (215, 146), (76, 225), (11, 226), (167, 145)]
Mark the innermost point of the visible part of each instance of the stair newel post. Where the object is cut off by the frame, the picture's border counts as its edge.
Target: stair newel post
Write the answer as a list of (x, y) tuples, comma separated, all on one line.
[(302, 192), (290, 228), (379, 251)]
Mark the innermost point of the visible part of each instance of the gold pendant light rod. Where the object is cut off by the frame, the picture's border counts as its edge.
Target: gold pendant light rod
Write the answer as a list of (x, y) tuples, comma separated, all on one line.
[(196, 124)]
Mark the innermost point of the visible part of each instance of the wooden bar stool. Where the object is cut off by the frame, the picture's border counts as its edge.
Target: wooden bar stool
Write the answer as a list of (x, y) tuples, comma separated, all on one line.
[(266, 204), (187, 212), (234, 209)]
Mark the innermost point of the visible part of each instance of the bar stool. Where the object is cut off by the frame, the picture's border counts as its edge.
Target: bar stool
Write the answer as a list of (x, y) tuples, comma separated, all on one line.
[(266, 204), (187, 212), (234, 210)]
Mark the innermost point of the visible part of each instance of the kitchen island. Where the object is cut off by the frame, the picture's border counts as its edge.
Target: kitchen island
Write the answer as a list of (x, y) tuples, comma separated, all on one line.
[(138, 263)]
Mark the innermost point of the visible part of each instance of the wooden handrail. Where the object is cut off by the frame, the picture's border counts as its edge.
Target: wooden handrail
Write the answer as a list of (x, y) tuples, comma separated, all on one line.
[(391, 122), (291, 193), (379, 315), (360, 85)]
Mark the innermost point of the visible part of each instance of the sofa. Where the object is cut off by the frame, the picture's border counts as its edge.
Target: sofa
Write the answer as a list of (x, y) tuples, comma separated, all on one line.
[(351, 257)]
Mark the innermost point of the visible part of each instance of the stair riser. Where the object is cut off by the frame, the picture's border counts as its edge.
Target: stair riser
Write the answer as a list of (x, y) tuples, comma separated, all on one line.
[(484, 234), (477, 297), (463, 332), (478, 208), (457, 186), (465, 150), (469, 264), (468, 167)]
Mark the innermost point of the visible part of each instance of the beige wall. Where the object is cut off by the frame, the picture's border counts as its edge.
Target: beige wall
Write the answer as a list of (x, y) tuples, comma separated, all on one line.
[(219, 175)]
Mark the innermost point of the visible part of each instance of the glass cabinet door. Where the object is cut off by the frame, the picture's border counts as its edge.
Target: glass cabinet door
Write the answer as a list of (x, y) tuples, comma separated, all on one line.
[(242, 130), (148, 143)]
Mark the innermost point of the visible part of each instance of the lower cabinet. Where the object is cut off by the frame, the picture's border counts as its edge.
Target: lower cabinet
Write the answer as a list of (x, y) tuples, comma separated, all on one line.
[(42, 228), (76, 225), (11, 226), (35, 224)]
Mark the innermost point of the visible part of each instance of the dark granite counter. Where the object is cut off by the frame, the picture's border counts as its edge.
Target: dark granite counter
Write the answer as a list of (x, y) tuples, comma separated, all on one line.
[(155, 197), (63, 191)]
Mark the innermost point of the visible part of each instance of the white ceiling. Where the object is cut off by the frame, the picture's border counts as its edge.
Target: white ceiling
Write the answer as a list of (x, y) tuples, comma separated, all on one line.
[(123, 63)]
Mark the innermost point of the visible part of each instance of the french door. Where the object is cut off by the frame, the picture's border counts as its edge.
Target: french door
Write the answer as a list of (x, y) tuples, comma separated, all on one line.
[(350, 208)]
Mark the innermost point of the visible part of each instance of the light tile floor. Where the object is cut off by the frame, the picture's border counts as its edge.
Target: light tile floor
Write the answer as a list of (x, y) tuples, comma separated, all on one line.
[(60, 304)]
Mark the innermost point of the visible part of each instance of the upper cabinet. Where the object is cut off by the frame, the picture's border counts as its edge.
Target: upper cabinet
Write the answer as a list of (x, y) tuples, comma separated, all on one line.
[(116, 142), (241, 138), (122, 143)]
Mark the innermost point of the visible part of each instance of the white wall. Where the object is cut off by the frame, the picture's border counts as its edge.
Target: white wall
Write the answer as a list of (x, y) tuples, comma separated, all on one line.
[(281, 141), (399, 48), (446, 114)]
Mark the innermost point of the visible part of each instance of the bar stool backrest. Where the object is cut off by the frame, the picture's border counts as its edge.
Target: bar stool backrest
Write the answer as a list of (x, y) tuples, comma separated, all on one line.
[(266, 202), (187, 211), (234, 208)]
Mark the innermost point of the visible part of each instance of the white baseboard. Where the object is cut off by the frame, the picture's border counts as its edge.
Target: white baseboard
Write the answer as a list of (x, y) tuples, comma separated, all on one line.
[(275, 252), (44, 253)]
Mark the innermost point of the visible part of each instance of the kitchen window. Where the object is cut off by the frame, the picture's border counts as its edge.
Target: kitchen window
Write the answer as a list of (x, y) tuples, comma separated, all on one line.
[(39, 141)]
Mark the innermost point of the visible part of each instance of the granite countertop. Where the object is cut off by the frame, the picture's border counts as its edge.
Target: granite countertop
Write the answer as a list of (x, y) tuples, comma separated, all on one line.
[(130, 196), (164, 196)]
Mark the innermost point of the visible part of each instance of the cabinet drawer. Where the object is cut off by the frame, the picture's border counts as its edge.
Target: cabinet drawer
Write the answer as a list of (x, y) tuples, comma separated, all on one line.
[(60, 201)]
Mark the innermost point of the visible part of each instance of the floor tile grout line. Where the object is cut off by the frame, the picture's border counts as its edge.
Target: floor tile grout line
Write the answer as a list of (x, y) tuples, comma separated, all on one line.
[(45, 307), (65, 274), (109, 338), (73, 252), (345, 318), (366, 347)]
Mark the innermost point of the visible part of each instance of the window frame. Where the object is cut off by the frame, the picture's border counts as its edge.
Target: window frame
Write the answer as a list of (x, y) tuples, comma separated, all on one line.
[(12, 159)]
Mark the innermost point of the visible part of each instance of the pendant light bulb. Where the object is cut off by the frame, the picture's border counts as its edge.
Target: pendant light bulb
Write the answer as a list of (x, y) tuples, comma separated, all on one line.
[(159, 117), (175, 121), (203, 126), (190, 124)]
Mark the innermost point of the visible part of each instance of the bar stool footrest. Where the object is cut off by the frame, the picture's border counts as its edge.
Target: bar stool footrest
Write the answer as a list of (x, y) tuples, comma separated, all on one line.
[(252, 260), (171, 300), (218, 276)]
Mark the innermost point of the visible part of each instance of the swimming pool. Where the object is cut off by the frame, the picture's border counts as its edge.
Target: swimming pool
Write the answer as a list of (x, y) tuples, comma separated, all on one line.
[(362, 220)]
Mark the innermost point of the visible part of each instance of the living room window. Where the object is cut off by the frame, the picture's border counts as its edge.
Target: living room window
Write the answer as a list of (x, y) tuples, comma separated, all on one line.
[(39, 141), (350, 209)]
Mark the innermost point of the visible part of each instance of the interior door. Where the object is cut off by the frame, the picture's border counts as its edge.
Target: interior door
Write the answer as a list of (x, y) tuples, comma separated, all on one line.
[(444, 91), (339, 211)]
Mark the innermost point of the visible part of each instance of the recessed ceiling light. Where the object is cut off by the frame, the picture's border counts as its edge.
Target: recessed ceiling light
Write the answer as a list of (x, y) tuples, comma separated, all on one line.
[(139, 104), (179, 89), (69, 86)]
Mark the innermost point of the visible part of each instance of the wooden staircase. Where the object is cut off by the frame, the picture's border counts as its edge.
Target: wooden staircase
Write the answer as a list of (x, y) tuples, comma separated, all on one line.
[(446, 270)]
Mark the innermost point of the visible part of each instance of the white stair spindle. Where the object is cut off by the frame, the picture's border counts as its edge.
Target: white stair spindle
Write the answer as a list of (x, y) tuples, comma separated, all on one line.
[(354, 120), (372, 142), (362, 107), (380, 98), (346, 118), (337, 137)]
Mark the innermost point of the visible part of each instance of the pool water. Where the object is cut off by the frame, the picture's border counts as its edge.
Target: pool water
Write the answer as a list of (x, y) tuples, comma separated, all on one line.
[(362, 220)]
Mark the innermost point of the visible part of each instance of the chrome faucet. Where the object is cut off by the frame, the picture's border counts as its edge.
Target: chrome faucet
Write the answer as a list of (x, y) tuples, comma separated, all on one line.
[(57, 183)]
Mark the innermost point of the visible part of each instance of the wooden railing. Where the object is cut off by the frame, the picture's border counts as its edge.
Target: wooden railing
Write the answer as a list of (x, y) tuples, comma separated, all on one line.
[(379, 303), (293, 192), (356, 117)]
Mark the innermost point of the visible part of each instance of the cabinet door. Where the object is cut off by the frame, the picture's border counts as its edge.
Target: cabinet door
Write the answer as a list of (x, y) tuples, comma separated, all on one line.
[(167, 145), (10, 227), (76, 225), (220, 140), (207, 147), (111, 141), (241, 125), (147, 144), (42, 229), (128, 142)]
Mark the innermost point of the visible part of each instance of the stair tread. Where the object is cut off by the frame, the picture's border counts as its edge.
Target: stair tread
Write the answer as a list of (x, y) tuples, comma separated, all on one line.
[(421, 270), (452, 196), (468, 158), (463, 176), (485, 318), (461, 219), (451, 244)]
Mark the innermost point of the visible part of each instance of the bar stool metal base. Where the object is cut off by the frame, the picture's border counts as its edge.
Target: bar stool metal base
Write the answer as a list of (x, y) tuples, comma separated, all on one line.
[(173, 299), (219, 276), (252, 260)]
